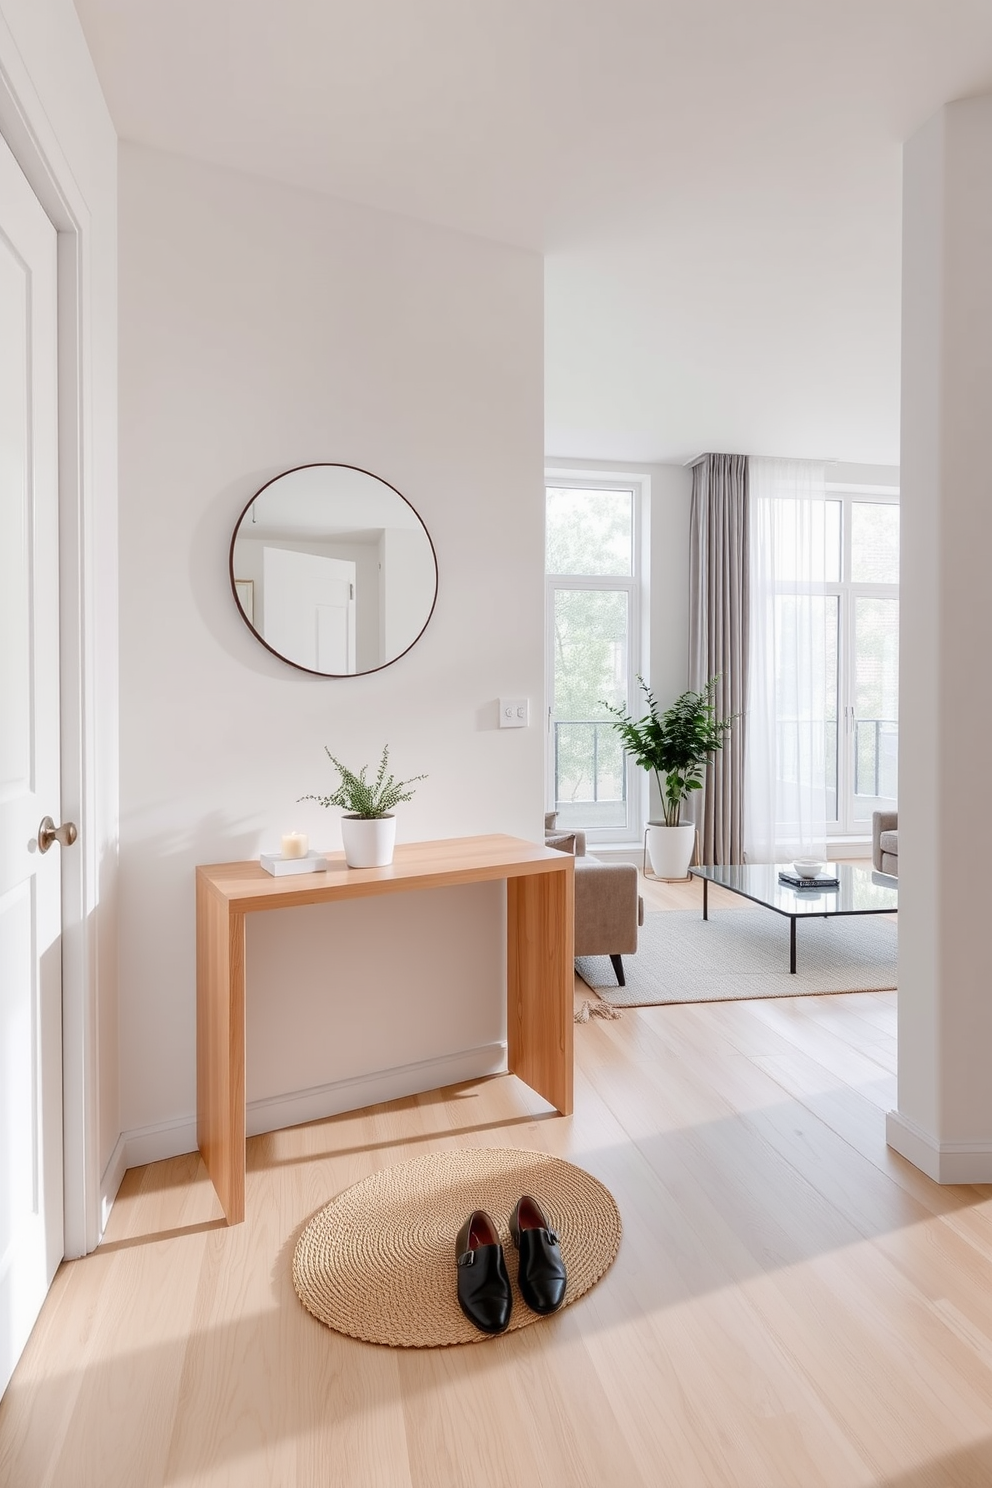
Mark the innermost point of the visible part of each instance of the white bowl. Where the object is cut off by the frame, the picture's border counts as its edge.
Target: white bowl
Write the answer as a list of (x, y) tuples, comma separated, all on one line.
[(808, 867)]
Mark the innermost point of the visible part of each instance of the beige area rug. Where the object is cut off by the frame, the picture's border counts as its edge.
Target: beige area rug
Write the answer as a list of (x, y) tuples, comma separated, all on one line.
[(741, 953), (378, 1263)]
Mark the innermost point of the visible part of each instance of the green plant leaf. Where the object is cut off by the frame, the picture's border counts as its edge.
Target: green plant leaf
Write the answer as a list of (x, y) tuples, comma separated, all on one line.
[(359, 798), (677, 744)]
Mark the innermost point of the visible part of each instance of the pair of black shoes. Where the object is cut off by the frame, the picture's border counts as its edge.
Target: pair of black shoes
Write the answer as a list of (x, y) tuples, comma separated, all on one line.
[(484, 1293)]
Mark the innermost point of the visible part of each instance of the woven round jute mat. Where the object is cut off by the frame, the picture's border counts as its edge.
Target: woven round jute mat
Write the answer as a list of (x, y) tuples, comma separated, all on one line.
[(378, 1263)]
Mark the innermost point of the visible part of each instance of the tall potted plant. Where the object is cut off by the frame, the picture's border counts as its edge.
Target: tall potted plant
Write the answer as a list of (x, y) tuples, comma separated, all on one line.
[(368, 829), (675, 746)]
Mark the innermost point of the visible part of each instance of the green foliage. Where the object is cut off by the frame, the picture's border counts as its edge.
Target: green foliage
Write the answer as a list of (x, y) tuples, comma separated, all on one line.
[(675, 745), (588, 532), (363, 798), (590, 630)]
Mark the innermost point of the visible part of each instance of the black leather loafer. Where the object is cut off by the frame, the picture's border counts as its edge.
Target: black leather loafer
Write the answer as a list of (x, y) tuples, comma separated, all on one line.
[(542, 1271), (484, 1292)]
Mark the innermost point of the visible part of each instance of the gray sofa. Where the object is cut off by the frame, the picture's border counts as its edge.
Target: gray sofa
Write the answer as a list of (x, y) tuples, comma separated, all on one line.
[(608, 908), (885, 842)]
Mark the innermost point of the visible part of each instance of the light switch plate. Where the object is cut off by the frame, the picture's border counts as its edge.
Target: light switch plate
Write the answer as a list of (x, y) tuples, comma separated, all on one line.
[(514, 712)]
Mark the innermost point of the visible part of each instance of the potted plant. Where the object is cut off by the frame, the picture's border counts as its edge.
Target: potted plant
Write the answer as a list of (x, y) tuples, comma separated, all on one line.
[(676, 746), (368, 828)]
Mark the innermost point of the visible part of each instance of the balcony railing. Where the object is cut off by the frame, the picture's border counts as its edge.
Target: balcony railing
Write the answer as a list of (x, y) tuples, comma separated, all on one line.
[(591, 775), (875, 756), (589, 766), (875, 753)]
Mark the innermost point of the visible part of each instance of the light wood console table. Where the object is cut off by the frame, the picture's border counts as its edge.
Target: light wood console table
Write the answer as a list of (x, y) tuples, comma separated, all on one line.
[(539, 947)]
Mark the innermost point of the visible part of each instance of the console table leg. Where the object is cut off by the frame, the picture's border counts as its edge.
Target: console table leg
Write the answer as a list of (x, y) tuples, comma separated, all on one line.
[(220, 1047), (792, 944), (540, 942)]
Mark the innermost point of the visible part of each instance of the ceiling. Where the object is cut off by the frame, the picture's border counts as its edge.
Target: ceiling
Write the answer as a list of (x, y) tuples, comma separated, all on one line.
[(715, 184)]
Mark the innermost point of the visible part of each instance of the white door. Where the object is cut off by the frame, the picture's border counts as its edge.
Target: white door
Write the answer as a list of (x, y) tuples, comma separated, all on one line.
[(308, 609), (30, 908)]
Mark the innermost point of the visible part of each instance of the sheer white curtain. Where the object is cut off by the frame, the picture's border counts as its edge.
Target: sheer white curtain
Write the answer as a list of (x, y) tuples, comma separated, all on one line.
[(789, 735)]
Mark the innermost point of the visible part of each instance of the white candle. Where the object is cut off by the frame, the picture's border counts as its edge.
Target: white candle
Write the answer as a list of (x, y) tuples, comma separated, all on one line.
[(295, 844)]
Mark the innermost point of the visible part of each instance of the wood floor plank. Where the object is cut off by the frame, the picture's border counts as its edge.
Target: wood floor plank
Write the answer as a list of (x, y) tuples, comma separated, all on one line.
[(871, 1353), (793, 1305), (147, 1310)]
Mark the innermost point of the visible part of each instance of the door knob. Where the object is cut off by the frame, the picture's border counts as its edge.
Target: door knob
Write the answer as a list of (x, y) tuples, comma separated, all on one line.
[(48, 833)]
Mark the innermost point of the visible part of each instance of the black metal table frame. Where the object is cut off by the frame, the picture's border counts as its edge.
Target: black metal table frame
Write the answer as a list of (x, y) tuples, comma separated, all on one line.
[(792, 918)]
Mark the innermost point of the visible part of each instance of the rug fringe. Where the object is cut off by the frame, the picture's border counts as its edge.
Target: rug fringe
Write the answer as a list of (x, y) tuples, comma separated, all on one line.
[(596, 1010)]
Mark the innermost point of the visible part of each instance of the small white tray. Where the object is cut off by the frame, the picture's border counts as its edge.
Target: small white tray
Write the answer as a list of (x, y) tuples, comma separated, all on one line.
[(279, 866)]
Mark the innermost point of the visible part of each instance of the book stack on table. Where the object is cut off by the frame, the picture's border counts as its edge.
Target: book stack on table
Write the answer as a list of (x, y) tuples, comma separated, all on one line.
[(278, 865), (820, 882)]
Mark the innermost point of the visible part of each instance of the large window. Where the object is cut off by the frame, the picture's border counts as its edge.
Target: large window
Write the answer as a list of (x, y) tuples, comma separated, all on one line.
[(862, 607), (592, 627)]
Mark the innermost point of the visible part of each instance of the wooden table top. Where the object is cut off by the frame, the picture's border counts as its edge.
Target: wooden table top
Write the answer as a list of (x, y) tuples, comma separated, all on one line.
[(453, 860)]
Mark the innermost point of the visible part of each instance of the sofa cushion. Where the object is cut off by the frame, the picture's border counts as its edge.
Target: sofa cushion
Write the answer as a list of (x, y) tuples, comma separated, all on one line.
[(889, 842)]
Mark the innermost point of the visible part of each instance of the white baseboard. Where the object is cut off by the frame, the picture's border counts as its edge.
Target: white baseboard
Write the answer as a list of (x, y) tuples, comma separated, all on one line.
[(148, 1144), (113, 1177), (353, 1094), (135, 1148), (944, 1162)]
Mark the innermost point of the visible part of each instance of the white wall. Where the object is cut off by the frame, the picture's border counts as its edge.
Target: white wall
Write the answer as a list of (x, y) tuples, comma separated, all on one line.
[(261, 328), (54, 118), (845, 473), (944, 1117)]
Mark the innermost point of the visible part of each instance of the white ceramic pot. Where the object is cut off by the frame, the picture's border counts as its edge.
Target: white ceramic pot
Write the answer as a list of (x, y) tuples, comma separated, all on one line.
[(670, 849), (368, 841)]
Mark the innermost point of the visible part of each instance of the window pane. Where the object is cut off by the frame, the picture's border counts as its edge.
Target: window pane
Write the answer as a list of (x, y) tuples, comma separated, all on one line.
[(874, 542), (876, 698), (590, 643), (806, 649), (589, 532)]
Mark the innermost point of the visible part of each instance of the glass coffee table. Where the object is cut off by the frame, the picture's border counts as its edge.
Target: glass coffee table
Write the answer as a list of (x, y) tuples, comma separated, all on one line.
[(861, 891)]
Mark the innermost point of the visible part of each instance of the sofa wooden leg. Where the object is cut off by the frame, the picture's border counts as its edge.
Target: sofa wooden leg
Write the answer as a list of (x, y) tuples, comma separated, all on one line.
[(618, 968)]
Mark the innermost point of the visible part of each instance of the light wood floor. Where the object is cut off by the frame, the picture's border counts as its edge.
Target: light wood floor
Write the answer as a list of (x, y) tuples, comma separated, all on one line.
[(793, 1304)]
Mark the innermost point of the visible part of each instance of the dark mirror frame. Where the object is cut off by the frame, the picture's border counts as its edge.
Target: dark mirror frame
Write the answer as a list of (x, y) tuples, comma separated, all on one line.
[(329, 465)]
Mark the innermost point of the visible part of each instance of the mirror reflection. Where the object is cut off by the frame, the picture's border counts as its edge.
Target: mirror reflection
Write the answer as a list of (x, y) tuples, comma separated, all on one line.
[(333, 570)]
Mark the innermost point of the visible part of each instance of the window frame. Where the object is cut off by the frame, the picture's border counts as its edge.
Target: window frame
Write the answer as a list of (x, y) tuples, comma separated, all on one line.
[(847, 823), (637, 612)]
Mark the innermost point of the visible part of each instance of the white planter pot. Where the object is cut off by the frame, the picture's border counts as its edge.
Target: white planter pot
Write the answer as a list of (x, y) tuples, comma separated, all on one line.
[(368, 841), (670, 849)]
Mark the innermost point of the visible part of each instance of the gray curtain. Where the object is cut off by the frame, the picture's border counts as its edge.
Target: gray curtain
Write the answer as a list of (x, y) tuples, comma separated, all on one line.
[(718, 625)]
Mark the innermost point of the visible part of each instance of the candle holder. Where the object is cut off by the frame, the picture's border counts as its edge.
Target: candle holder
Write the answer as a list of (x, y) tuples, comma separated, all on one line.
[(295, 844)]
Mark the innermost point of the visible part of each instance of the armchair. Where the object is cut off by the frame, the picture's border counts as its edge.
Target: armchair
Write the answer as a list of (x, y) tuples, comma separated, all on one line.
[(885, 842), (608, 908)]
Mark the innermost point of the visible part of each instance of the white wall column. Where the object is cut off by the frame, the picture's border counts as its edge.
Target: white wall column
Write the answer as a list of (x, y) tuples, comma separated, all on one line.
[(944, 1119)]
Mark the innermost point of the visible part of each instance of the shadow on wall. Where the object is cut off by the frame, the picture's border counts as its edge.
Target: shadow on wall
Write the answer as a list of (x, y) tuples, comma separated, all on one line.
[(210, 579)]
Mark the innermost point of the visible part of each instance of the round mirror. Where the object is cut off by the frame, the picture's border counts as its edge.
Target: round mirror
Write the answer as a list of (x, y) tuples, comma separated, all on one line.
[(333, 570)]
